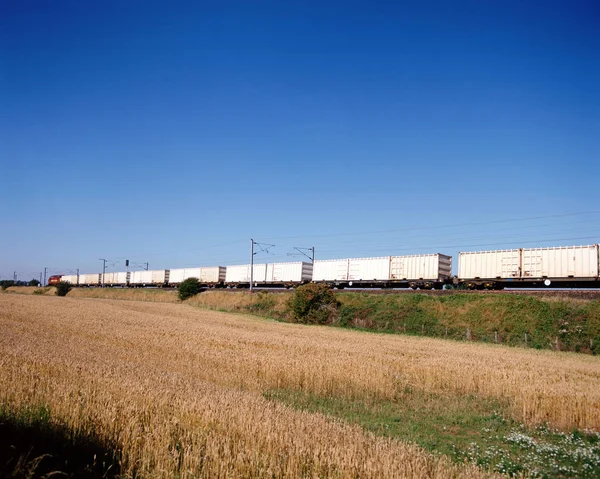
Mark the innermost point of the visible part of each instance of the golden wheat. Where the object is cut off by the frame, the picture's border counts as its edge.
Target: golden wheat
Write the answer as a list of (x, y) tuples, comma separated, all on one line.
[(178, 389), (170, 386)]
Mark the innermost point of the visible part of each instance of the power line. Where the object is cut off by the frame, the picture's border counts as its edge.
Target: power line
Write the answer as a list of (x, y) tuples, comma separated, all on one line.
[(429, 227)]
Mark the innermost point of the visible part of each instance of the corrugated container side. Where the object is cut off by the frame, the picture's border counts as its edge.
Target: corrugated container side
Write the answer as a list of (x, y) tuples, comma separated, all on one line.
[(178, 275), (430, 267), (141, 277), (241, 273), (307, 271), (293, 272), (69, 278), (90, 278), (212, 274), (369, 269), (160, 276), (122, 277), (561, 262), (500, 264), (222, 273), (237, 274), (330, 270)]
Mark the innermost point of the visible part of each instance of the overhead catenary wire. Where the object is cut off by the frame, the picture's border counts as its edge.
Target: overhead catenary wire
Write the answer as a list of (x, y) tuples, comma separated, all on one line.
[(411, 239)]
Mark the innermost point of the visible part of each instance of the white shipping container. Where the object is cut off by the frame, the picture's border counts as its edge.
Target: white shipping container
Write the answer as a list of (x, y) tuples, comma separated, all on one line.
[(157, 276), (369, 269), (212, 274), (116, 278), (69, 278), (178, 275), (296, 272), (424, 266), (90, 279), (560, 262), (499, 264), (141, 277), (330, 270), (241, 273)]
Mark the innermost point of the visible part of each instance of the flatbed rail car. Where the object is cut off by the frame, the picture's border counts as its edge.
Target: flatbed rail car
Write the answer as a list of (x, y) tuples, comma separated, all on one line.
[(425, 271), (557, 267)]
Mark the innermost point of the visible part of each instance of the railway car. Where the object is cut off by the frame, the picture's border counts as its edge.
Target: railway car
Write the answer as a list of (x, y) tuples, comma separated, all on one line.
[(210, 276), (557, 266), (269, 274), (116, 279), (425, 271), (157, 277), (90, 279), (70, 278)]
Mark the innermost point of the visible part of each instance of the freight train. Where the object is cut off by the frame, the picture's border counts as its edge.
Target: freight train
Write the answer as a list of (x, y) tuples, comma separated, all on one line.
[(548, 267)]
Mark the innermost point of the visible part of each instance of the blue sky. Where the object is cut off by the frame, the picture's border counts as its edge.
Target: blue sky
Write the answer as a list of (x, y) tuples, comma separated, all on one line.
[(173, 132)]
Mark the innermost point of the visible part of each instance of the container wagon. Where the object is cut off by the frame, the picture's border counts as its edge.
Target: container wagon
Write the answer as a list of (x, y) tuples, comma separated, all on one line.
[(89, 279), (556, 266), (269, 274), (211, 276), (70, 278), (120, 278), (157, 277), (425, 271)]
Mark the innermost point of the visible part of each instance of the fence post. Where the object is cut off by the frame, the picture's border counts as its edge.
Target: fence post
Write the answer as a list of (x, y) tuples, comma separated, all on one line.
[(469, 334), (495, 336)]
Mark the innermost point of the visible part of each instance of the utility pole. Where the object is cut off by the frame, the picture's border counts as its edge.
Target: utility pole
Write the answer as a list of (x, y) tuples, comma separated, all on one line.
[(103, 269), (263, 248), (146, 266), (45, 271), (15, 276), (41, 278), (251, 263), (77, 276)]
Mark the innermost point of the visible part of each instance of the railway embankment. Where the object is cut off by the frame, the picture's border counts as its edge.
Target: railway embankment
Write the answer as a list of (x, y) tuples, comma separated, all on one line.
[(554, 322)]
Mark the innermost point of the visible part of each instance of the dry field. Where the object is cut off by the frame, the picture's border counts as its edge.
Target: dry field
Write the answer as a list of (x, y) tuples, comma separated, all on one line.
[(178, 391)]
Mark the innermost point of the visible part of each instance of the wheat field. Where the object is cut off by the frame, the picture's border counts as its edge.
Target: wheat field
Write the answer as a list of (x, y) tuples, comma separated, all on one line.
[(178, 390)]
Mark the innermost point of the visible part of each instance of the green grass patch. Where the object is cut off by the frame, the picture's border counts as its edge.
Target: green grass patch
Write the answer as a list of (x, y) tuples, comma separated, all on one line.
[(516, 320), (465, 428)]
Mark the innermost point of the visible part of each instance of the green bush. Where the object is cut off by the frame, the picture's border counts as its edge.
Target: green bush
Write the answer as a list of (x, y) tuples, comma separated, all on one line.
[(188, 288), (313, 304), (263, 303), (63, 288), (7, 283), (34, 282)]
